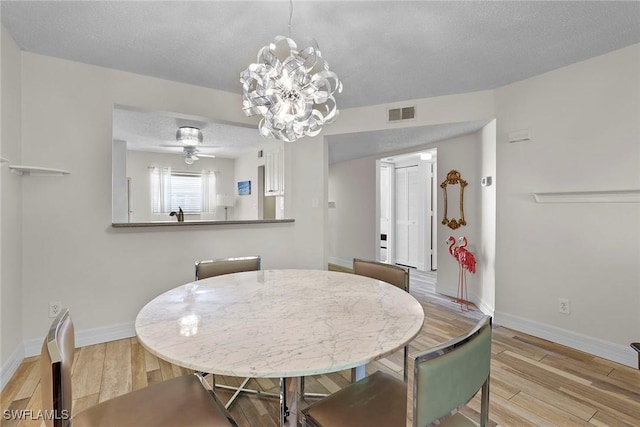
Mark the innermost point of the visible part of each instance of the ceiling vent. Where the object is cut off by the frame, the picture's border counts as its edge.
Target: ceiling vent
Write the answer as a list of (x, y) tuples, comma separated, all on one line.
[(403, 113)]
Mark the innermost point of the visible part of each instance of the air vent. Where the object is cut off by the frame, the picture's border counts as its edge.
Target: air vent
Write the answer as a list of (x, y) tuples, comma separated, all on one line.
[(403, 113)]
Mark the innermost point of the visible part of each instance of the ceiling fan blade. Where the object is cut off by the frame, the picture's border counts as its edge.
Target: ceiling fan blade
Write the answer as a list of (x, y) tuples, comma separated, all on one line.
[(207, 155)]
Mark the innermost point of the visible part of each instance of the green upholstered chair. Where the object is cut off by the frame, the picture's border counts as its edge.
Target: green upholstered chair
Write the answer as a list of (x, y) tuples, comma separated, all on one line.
[(394, 274), (442, 379), (218, 267), (181, 401)]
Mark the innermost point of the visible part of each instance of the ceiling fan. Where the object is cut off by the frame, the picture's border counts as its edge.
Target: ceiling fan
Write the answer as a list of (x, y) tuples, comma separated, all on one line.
[(191, 154), (189, 138)]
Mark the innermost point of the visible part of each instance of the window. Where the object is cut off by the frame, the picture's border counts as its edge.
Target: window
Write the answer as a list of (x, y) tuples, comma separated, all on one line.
[(186, 192), (194, 192)]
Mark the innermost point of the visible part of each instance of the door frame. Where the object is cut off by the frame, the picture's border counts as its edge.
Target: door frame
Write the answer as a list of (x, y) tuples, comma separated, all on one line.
[(428, 169)]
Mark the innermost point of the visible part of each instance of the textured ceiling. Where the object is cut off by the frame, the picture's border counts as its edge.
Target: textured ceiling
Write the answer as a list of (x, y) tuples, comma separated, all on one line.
[(156, 132), (383, 51), (356, 145)]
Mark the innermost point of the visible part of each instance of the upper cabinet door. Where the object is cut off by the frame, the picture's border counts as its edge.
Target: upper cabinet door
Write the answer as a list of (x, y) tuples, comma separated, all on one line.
[(274, 172)]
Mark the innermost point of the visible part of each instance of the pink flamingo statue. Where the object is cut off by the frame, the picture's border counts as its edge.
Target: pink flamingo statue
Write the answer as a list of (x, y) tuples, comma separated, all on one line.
[(466, 261)]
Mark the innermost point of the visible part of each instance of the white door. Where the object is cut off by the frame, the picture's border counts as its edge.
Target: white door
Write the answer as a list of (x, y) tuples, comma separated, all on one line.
[(408, 207)]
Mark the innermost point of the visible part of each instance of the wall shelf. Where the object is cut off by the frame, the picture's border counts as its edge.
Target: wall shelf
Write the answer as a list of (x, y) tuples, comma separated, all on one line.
[(611, 196), (3, 160), (37, 171)]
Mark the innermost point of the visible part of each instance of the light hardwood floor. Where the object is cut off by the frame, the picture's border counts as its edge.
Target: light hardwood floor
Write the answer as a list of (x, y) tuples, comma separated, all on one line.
[(533, 382)]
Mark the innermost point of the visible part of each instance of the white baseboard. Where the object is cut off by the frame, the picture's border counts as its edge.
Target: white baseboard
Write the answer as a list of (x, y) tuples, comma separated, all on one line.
[(484, 307), (480, 303), (11, 365), (342, 262), (597, 347), (33, 346), (86, 337)]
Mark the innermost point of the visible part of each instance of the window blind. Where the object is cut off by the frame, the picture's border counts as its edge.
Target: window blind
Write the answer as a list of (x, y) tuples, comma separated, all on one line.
[(186, 193), (194, 192)]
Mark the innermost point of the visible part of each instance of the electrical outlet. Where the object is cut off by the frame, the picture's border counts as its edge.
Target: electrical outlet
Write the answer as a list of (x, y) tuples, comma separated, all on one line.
[(564, 306), (54, 308)]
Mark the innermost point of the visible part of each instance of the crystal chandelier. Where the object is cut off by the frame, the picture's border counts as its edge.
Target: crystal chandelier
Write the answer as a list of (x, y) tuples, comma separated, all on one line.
[(189, 136), (291, 87)]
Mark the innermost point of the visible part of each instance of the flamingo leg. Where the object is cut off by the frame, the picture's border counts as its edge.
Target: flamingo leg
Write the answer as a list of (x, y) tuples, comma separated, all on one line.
[(465, 302), (459, 294)]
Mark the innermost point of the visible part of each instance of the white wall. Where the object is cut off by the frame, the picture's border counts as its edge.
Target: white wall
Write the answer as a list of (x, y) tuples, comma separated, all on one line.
[(247, 207), (246, 169), (585, 123), (459, 154), (106, 275), (352, 224), (473, 106), (352, 235), (10, 211), (485, 255)]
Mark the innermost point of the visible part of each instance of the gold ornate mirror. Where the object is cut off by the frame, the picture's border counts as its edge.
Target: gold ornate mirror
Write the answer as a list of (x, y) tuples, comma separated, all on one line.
[(453, 178)]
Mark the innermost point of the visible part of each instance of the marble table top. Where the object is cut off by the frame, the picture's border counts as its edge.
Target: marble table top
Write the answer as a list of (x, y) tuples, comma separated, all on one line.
[(279, 323)]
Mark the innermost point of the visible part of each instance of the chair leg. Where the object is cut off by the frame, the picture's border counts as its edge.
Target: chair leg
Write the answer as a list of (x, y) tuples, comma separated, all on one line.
[(484, 404), (636, 347), (406, 364), (358, 373), (284, 410)]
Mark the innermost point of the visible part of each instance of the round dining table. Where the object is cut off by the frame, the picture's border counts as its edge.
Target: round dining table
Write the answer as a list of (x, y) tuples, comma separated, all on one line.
[(279, 324)]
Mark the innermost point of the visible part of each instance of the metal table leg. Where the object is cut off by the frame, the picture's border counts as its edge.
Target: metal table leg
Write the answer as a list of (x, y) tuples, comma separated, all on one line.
[(289, 414)]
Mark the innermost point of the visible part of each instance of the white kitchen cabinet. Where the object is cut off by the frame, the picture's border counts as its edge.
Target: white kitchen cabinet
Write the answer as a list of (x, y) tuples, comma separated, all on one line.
[(274, 172)]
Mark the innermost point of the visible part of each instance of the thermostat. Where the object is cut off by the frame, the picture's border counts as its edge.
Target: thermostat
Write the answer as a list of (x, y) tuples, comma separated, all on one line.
[(485, 181)]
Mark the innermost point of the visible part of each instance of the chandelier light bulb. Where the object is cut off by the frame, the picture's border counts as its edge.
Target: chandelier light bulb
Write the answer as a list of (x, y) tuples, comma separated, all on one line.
[(291, 88)]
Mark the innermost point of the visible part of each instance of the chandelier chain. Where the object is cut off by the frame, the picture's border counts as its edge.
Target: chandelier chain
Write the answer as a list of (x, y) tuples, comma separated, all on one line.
[(290, 15)]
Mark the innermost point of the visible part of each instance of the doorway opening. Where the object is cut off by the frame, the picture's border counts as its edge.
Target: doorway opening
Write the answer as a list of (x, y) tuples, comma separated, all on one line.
[(407, 200)]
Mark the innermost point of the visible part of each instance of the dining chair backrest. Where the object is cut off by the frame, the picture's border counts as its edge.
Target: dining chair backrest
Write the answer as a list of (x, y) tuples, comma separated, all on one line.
[(449, 375), (394, 274), (218, 267), (56, 363)]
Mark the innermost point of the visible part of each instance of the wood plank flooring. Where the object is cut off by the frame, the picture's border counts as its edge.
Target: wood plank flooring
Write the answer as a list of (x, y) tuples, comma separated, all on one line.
[(533, 382)]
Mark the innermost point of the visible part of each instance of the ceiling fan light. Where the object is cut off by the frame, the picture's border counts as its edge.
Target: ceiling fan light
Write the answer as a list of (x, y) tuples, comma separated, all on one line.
[(189, 160), (189, 136)]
